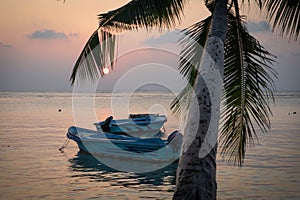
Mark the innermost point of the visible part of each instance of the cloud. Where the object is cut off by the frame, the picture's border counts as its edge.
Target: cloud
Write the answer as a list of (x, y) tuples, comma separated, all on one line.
[(3, 45), (73, 34), (258, 26), (49, 34), (169, 37)]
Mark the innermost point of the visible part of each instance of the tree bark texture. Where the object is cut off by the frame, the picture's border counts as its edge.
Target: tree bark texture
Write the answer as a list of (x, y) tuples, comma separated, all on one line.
[(196, 172)]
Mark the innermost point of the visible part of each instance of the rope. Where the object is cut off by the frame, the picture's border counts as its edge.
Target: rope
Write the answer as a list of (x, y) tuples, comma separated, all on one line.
[(61, 149)]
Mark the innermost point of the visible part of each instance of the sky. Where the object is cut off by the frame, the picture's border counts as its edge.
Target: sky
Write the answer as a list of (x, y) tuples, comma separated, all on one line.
[(41, 40)]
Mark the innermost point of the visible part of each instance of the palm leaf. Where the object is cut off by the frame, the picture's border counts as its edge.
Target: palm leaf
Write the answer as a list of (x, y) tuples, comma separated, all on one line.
[(143, 14), (100, 50), (285, 16), (192, 43), (98, 53), (189, 61), (247, 84)]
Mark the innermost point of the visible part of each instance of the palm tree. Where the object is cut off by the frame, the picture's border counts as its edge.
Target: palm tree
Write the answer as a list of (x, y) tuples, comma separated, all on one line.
[(235, 60)]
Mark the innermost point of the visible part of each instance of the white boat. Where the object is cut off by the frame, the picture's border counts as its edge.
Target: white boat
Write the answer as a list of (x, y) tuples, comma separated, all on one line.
[(106, 144), (136, 124)]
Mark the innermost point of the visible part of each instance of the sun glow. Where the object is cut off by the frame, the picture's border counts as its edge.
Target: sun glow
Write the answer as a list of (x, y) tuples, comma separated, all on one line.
[(105, 70)]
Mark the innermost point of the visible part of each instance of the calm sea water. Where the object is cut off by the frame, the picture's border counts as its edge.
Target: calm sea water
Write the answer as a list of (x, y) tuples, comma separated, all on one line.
[(31, 167)]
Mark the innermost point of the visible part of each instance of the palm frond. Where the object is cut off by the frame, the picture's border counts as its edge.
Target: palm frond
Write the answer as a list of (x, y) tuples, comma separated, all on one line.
[(285, 16), (259, 3), (181, 102), (143, 14), (192, 44), (99, 52), (248, 85)]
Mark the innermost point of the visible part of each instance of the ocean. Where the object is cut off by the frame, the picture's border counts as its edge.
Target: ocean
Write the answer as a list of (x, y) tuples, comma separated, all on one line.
[(32, 129)]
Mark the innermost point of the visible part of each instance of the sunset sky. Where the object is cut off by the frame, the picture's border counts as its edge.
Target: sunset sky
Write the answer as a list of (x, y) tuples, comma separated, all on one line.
[(41, 40)]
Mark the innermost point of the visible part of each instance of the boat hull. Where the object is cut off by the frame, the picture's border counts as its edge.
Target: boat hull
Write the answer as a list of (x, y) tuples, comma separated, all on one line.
[(120, 146)]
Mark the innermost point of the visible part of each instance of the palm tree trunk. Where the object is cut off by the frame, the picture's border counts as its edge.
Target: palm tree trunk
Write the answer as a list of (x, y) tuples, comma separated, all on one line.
[(196, 172)]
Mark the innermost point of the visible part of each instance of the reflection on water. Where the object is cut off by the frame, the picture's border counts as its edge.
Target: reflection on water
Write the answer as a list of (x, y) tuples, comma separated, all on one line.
[(31, 167), (87, 169)]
